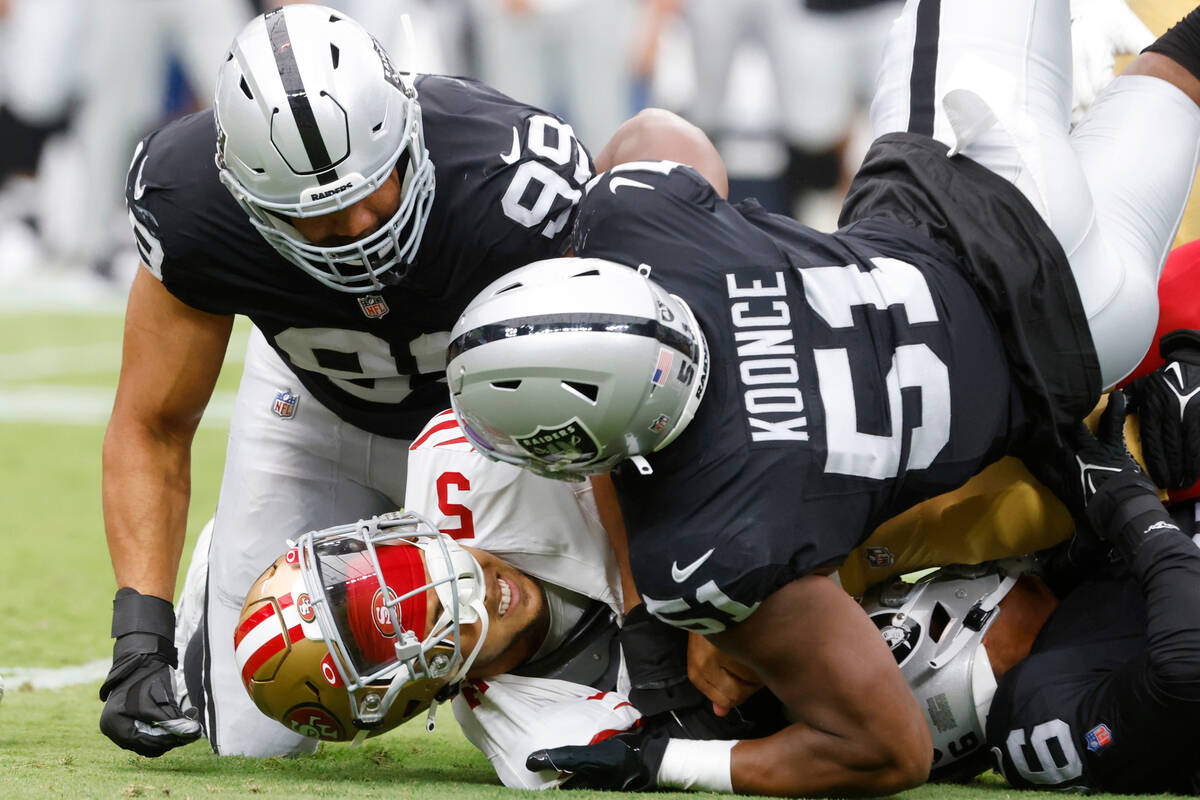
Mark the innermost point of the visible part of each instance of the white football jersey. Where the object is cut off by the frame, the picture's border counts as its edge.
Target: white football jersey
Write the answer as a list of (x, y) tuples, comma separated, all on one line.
[(549, 529), (508, 717)]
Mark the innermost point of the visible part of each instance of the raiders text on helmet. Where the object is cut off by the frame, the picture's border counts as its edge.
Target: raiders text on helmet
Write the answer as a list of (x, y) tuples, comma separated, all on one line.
[(311, 118), (335, 639), (571, 365)]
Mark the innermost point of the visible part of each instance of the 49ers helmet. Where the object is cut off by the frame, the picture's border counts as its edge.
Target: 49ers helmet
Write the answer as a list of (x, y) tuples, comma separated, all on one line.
[(571, 365), (311, 118), (935, 628), (335, 639)]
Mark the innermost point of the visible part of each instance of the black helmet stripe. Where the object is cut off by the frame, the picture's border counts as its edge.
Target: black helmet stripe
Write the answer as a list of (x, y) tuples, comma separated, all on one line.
[(572, 323), (293, 86)]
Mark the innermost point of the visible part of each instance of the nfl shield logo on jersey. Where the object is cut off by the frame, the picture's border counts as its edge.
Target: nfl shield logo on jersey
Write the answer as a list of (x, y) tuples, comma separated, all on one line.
[(880, 557), (373, 306), (285, 404), (1099, 738)]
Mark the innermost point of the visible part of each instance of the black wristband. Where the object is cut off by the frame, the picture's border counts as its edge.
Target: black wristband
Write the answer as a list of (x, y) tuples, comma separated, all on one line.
[(1126, 511), (134, 612)]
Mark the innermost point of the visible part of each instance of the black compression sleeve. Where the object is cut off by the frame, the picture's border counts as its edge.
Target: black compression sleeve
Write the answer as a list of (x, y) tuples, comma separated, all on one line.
[(1181, 43), (1168, 568)]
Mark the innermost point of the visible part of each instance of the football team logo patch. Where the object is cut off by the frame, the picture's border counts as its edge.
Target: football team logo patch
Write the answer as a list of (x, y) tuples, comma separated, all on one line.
[(373, 306), (380, 613), (1099, 738), (314, 721), (569, 443), (284, 404), (305, 608), (880, 557)]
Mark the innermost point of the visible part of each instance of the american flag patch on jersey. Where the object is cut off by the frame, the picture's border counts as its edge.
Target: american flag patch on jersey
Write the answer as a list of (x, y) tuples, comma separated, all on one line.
[(662, 367), (1098, 738)]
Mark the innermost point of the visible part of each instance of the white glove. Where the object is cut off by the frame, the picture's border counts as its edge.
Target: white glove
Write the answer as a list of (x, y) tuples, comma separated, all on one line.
[(1099, 30)]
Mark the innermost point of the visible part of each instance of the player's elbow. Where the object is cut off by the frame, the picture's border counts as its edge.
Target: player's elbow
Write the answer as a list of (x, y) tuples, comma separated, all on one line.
[(898, 757), (1176, 675)]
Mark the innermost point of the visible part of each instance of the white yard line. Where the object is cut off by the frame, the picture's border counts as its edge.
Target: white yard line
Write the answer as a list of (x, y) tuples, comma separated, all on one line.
[(55, 677), (86, 405), (47, 362)]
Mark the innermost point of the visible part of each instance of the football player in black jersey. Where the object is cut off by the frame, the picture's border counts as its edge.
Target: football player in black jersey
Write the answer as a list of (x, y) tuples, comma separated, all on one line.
[(349, 210), (1094, 686), (765, 395)]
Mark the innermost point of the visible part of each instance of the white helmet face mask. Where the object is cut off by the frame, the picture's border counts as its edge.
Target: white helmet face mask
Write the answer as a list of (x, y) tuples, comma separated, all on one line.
[(571, 365), (935, 629), (368, 589), (311, 118)]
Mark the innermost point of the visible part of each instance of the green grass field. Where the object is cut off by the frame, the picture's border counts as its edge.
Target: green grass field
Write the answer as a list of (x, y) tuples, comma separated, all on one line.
[(57, 373)]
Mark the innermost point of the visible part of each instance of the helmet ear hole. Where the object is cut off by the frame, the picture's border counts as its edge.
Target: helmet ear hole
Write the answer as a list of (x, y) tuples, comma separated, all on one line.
[(587, 391), (938, 621)]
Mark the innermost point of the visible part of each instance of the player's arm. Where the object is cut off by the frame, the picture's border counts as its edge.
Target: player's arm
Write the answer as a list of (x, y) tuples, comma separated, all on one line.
[(171, 357), (659, 135), (856, 727)]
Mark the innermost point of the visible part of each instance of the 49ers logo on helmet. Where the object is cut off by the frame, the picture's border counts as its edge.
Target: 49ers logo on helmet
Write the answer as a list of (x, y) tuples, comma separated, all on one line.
[(380, 614), (304, 607), (315, 722)]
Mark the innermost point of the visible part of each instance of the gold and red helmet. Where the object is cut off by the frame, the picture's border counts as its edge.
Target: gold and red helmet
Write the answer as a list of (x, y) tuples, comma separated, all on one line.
[(336, 639)]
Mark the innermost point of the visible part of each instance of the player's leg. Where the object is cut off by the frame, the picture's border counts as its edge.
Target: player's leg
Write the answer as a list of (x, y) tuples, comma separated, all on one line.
[(283, 475), (1138, 146)]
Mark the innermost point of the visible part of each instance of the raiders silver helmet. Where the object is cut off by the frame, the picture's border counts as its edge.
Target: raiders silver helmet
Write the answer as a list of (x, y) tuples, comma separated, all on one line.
[(935, 628), (311, 118), (571, 365)]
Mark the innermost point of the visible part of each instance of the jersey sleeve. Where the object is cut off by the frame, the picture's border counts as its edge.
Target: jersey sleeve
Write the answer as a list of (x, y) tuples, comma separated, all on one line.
[(1098, 706), (508, 717), (549, 529), (188, 230)]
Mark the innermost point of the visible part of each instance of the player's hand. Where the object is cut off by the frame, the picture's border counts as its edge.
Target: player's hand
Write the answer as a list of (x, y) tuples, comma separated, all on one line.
[(1087, 461), (140, 710), (1168, 405), (627, 762), (1099, 30), (656, 658), (722, 679)]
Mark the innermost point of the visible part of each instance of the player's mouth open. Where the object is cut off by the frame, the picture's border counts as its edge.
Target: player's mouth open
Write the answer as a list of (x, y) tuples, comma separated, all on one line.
[(508, 595)]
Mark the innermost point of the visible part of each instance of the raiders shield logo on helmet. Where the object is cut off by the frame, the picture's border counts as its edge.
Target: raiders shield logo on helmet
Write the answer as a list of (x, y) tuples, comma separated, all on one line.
[(571, 443), (901, 633)]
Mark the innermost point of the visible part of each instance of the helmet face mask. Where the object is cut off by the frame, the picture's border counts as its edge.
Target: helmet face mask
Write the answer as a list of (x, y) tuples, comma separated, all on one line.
[(935, 630), (569, 366), (311, 119), (358, 652)]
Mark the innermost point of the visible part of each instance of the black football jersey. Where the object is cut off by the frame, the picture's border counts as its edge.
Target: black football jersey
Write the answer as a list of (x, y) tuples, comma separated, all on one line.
[(852, 375), (1088, 708), (507, 176)]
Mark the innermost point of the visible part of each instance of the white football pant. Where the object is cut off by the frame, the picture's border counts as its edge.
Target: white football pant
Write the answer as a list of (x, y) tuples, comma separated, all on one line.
[(1112, 190), (283, 476)]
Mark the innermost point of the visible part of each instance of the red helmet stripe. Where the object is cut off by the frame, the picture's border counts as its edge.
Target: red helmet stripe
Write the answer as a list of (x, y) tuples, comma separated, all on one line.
[(251, 621), (261, 656)]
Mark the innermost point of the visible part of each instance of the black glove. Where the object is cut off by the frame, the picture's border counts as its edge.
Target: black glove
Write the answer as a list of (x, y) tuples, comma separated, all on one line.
[(1085, 462), (140, 711), (656, 657), (627, 762), (1168, 405)]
